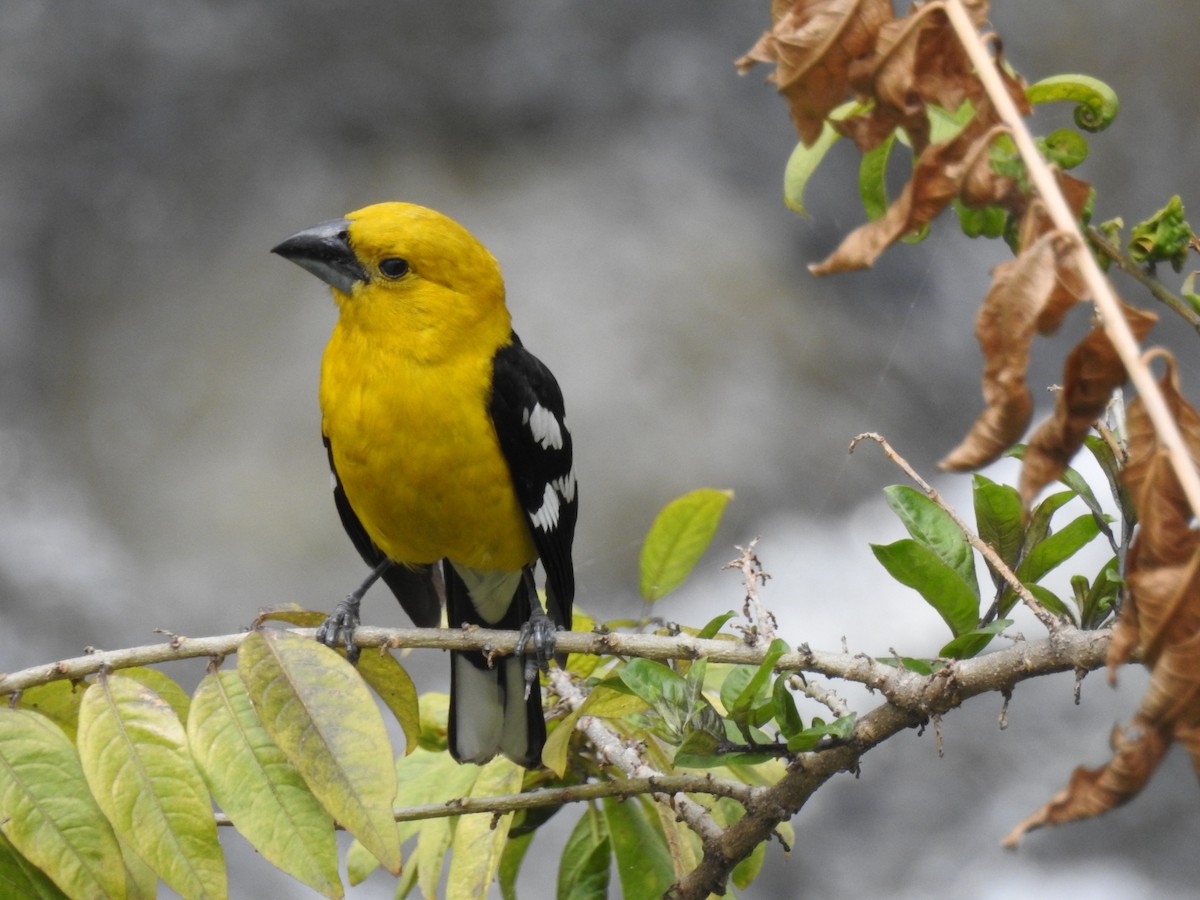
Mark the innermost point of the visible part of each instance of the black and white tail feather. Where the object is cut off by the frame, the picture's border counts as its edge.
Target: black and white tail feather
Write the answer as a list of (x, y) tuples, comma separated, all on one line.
[(493, 710)]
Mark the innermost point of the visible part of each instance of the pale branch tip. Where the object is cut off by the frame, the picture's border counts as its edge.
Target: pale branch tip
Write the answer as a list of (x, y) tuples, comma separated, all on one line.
[(1103, 295)]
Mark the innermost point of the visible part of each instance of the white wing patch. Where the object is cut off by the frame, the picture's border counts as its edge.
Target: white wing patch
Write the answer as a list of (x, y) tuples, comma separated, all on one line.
[(544, 427), (566, 485), (546, 518)]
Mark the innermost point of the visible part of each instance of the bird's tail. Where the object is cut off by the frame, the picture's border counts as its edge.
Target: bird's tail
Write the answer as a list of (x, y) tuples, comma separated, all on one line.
[(489, 710)]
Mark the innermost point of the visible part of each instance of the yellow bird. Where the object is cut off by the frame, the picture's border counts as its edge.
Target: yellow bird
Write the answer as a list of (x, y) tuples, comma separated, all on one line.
[(452, 463)]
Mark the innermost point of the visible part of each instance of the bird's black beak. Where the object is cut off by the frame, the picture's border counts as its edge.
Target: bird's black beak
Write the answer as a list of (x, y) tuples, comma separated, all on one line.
[(325, 251)]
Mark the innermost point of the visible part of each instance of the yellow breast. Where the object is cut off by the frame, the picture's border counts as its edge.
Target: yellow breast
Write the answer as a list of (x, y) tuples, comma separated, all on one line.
[(417, 455)]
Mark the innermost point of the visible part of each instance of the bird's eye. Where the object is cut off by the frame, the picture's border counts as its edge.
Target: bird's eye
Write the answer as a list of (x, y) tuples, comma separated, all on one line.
[(393, 267)]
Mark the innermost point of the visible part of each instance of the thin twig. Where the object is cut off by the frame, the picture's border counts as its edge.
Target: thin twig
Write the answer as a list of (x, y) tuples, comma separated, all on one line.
[(1053, 625), (1102, 293), (762, 624), (543, 797)]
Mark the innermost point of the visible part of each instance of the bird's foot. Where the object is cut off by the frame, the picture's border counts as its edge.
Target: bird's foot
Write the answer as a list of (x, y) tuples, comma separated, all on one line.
[(342, 623), (538, 637)]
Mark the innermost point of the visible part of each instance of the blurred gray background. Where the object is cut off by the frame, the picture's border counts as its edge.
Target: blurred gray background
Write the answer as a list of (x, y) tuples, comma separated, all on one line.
[(160, 460)]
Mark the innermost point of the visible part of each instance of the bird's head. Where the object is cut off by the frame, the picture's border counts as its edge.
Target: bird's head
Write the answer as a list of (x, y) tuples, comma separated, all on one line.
[(402, 268)]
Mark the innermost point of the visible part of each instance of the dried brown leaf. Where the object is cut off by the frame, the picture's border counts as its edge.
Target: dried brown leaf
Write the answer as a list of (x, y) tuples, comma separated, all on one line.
[(1092, 372), (1160, 615), (935, 181), (1094, 791), (1035, 222), (1005, 329), (812, 44), (917, 61)]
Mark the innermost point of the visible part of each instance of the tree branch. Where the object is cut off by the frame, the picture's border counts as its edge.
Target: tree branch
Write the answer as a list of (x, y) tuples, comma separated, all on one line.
[(856, 667), (913, 699)]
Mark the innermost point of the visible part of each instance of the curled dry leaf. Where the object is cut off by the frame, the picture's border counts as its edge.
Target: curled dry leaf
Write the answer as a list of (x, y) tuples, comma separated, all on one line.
[(812, 43), (917, 61), (1005, 328), (936, 180), (1092, 372), (1094, 791), (1035, 222), (1161, 615)]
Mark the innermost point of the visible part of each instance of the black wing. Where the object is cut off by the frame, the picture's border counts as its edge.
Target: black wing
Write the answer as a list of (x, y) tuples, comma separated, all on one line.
[(527, 411), (416, 589)]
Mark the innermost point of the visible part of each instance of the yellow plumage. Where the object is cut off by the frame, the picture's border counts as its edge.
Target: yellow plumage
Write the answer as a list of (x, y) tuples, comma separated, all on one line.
[(453, 467), (415, 354)]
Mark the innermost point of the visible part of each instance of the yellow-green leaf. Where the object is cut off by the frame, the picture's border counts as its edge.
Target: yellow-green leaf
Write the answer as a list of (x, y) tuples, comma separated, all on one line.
[(135, 756), (554, 752), (47, 811), (395, 688), (318, 710), (257, 787), (679, 536), (479, 839), (56, 700), (434, 836), (163, 685)]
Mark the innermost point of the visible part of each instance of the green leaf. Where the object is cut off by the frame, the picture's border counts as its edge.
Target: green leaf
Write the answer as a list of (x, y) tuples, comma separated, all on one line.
[(918, 567), (21, 878), (1050, 601), (678, 538), (395, 688), (706, 750), (932, 526), (1064, 148), (747, 870), (479, 839), (787, 716), (1057, 548), (47, 812), (643, 861), (1101, 597), (1188, 291), (510, 863), (841, 727), (872, 178), (998, 519), (709, 631), (804, 160), (1111, 466), (968, 645), (1164, 237), (135, 756), (755, 689), (320, 713), (257, 787), (977, 221), (584, 867), (1097, 103)]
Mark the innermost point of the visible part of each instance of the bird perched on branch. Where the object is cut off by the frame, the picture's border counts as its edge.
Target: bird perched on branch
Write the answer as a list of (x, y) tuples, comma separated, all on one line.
[(452, 465)]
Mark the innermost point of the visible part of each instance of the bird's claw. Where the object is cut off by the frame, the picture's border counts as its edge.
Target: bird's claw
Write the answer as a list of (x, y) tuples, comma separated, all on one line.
[(342, 623), (539, 635)]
